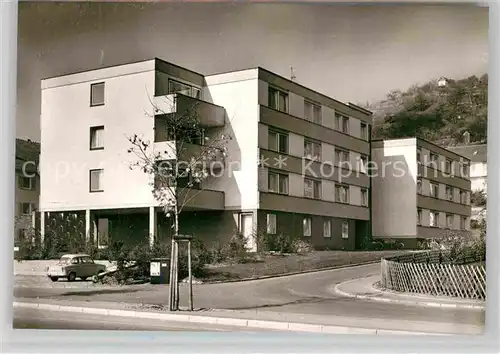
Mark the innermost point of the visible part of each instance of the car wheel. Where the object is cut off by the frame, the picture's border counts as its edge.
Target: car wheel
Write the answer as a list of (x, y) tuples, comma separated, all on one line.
[(72, 276), (83, 278), (54, 278)]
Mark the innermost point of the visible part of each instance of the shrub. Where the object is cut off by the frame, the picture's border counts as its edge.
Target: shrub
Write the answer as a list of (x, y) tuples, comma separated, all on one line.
[(236, 248), (299, 246), (281, 243)]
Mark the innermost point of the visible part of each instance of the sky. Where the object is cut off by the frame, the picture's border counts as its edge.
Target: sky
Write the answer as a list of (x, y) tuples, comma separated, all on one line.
[(356, 53)]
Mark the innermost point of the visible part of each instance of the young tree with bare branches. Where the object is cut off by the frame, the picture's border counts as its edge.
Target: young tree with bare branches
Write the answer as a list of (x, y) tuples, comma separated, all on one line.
[(181, 171)]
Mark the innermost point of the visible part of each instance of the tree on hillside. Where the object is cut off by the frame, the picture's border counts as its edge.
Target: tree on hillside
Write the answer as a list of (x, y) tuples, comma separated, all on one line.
[(439, 114), (180, 172)]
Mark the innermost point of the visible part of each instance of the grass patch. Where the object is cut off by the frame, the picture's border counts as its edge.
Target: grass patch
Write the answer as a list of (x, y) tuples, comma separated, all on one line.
[(271, 265)]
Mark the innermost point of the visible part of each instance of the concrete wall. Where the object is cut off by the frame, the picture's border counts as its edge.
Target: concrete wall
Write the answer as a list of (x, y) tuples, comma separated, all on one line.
[(66, 118), (394, 189), (238, 93)]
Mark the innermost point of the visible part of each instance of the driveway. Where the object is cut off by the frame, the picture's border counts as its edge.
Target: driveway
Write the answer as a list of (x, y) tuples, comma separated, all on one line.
[(305, 293)]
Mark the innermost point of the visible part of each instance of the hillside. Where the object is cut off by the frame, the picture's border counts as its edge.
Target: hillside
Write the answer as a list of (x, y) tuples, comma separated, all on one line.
[(439, 114)]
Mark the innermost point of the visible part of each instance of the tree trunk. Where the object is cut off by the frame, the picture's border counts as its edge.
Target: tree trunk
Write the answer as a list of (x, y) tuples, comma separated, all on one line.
[(173, 301)]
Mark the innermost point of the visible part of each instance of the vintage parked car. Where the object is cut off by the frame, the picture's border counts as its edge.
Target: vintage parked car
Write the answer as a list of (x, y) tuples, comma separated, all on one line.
[(72, 266)]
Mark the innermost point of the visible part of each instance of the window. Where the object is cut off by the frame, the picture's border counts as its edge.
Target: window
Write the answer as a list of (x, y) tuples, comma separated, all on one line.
[(449, 193), (96, 180), (103, 227), (86, 260), (27, 183), (449, 221), (364, 131), (27, 208), (307, 227), (312, 112), (96, 138), (345, 229), (434, 159), (419, 155), (465, 170), (364, 197), (419, 216), (342, 123), (363, 166), (178, 87), (97, 94), (327, 228), (463, 223), (434, 219), (278, 183), (278, 141), (342, 194), (419, 186), (447, 166), (312, 150), (434, 190), (278, 99), (341, 156), (463, 197), (196, 93), (312, 188), (271, 224)]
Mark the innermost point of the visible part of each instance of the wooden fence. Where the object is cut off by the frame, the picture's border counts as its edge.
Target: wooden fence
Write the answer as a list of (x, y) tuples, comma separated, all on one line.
[(430, 273)]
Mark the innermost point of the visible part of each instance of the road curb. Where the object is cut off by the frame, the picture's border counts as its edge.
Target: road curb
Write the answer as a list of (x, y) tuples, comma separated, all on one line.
[(223, 321), (403, 302)]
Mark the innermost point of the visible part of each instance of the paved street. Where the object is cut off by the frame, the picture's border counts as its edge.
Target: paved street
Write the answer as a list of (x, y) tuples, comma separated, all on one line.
[(43, 319), (306, 293)]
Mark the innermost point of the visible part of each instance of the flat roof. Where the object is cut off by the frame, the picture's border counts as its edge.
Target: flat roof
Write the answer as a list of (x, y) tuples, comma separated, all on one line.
[(348, 105), (422, 140)]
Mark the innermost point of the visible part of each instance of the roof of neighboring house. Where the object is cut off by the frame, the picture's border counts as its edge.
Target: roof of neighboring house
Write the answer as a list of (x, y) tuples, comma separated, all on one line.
[(27, 151), (475, 153)]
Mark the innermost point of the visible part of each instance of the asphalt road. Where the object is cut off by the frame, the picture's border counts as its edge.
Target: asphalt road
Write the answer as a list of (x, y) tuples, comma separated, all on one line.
[(44, 319), (305, 293)]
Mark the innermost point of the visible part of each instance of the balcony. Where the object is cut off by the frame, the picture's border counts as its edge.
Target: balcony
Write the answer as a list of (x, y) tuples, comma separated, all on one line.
[(209, 115), (204, 199), (211, 157)]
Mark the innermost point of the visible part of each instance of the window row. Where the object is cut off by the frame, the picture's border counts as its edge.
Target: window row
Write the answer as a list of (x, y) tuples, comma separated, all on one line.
[(278, 141), (278, 183), (434, 192), (97, 91), (448, 166), (435, 220), (278, 100), (307, 227)]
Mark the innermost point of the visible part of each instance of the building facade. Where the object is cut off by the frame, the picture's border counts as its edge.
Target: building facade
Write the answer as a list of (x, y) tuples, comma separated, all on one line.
[(296, 162), (477, 154), (420, 191), (27, 187)]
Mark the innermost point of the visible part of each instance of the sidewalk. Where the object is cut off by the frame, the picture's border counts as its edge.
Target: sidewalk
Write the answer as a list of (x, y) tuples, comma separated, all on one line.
[(257, 319), (364, 289)]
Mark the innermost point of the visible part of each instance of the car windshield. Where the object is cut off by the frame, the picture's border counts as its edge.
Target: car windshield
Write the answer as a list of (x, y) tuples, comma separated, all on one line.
[(65, 260)]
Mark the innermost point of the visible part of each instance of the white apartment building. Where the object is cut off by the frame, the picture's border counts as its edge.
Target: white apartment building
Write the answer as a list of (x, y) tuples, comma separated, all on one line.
[(87, 117), (418, 189)]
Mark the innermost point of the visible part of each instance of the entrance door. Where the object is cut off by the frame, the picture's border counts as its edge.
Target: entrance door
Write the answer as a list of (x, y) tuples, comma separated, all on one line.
[(246, 228)]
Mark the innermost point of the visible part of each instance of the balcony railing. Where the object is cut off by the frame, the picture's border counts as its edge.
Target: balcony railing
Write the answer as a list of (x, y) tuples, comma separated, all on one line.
[(204, 199), (208, 114)]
